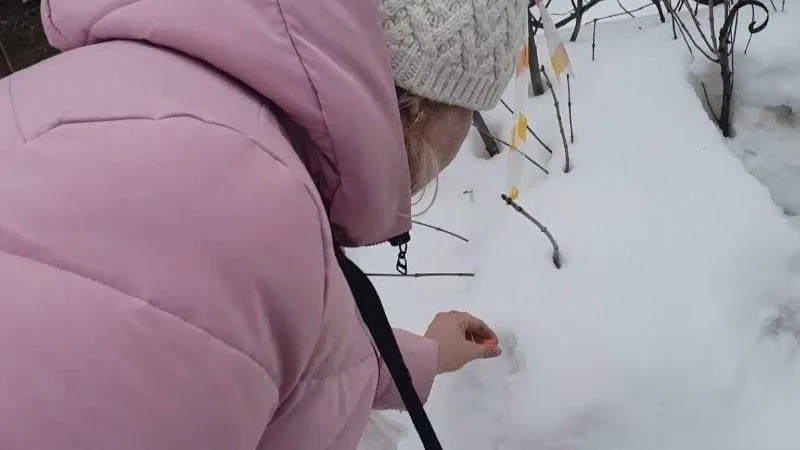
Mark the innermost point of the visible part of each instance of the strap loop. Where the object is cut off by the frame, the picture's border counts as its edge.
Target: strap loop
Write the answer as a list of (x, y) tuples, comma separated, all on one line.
[(401, 242), (402, 262)]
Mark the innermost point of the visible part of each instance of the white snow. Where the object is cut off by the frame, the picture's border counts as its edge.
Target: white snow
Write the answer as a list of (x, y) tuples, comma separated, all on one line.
[(767, 118), (659, 332)]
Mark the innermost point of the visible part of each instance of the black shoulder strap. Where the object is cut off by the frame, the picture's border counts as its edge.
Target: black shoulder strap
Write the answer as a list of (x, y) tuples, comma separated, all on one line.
[(372, 312)]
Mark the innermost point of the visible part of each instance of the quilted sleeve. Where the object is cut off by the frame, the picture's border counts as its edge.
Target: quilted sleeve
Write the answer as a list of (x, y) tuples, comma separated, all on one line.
[(420, 355)]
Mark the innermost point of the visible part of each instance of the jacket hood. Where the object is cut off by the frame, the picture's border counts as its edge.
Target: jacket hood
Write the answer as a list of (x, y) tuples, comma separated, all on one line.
[(324, 64)]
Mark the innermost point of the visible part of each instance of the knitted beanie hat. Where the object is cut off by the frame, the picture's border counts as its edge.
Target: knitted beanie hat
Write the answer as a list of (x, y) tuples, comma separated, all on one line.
[(459, 52)]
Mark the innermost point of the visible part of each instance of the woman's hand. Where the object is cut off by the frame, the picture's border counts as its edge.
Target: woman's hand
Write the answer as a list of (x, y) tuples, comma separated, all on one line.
[(462, 338)]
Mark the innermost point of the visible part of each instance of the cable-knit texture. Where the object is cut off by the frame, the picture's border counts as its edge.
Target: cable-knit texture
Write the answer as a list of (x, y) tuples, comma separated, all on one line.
[(459, 52)]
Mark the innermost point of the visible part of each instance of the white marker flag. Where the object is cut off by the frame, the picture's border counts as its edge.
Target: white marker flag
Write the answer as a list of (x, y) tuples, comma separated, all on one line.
[(519, 133), (555, 45)]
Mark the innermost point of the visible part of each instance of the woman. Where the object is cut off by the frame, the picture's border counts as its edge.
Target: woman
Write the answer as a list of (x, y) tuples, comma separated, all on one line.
[(172, 191)]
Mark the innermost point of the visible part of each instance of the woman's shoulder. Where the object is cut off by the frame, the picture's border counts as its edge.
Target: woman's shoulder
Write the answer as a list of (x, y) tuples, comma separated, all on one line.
[(189, 196)]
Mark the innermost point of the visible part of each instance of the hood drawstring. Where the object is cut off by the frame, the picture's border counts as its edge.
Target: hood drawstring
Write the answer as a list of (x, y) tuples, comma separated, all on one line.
[(401, 242)]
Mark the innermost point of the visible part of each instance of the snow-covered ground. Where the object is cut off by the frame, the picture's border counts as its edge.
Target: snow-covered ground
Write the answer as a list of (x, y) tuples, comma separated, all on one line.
[(767, 119), (659, 332)]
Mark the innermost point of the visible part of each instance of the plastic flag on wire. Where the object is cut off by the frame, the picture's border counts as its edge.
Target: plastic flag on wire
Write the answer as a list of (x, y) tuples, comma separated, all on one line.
[(519, 133), (555, 45), (561, 66)]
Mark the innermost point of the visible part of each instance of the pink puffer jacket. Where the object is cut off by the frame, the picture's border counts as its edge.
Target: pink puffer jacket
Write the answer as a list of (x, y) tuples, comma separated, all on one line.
[(170, 191)]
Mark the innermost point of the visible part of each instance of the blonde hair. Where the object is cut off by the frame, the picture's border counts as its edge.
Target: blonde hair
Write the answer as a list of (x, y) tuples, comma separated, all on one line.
[(415, 111)]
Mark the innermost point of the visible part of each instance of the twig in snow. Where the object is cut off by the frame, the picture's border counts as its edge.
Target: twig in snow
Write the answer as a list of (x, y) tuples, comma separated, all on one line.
[(556, 252), (699, 27), (530, 130), (537, 87), (750, 38), (783, 5), (569, 108), (531, 160), (660, 11), (442, 230), (683, 35), (567, 165), (538, 24), (673, 12), (622, 7), (709, 50), (672, 17), (708, 101), (725, 56), (611, 16), (578, 17), (711, 25), (423, 274), (480, 124), (594, 37), (747, 47)]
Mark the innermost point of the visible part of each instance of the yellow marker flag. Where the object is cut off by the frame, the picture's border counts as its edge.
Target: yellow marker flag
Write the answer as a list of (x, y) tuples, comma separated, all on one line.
[(555, 45), (519, 132), (522, 129)]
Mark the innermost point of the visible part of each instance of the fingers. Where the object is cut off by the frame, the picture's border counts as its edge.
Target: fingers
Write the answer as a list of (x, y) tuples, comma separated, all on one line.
[(477, 327), (462, 338), (491, 351), (484, 351), (484, 344)]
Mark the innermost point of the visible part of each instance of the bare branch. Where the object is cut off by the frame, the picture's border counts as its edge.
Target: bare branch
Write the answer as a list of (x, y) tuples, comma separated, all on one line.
[(537, 86), (556, 252), (683, 33), (726, 59), (569, 108), (711, 26), (439, 229), (537, 24), (611, 16), (708, 101), (489, 143), (530, 130), (774, 6), (578, 16), (422, 274), (703, 36), (753, 27), (622, 7), (750, 38), (660, 11), (686, 33), (567, 165), (530, 160)]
